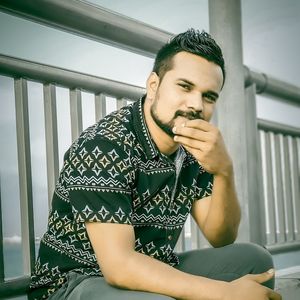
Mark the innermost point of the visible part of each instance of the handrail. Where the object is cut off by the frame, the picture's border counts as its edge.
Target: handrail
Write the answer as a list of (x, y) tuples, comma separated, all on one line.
[(286, 247), (14, 287), (94, 22), (16, 68), (97, 23), (266, 84), (278, 128)]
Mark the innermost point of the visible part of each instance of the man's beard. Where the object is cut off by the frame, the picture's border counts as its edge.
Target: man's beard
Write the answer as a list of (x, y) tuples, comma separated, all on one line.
[(167, 127)]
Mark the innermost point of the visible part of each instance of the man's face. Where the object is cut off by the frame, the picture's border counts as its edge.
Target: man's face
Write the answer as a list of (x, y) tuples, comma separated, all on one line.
[(188, 91)]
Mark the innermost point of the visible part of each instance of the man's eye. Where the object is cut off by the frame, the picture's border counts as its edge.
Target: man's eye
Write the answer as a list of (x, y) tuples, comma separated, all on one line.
[(210, 98), (185, 86)]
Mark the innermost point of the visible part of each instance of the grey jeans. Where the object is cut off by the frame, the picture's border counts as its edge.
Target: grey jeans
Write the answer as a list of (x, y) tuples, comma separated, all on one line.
[(227, 263)]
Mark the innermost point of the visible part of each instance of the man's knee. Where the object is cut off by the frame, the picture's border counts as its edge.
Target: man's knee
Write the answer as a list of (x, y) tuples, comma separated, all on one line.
[(259, 257)]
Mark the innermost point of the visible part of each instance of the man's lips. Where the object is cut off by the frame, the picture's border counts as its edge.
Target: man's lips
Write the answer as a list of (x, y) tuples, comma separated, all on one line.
[(190, 115)]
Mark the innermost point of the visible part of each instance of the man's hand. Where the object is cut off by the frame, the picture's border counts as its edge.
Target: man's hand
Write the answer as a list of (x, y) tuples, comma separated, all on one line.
[(205, 142), (249, 288)]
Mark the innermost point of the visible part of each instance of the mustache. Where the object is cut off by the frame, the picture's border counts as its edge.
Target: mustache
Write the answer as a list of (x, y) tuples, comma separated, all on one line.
[(190, 115)]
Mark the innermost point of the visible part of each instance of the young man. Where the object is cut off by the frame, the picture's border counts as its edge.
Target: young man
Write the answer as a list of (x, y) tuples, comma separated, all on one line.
[(130, 181)]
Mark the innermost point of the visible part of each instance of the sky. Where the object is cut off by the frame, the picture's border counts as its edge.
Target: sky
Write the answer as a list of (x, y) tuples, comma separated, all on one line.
[(271, 45)]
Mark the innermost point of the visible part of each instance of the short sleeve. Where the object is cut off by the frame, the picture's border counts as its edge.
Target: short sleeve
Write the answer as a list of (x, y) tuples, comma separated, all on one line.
[(203, 185), (99, 176)]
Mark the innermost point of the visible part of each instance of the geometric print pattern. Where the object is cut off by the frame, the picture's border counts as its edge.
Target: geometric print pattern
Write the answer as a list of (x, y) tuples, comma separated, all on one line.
[(114, 173)]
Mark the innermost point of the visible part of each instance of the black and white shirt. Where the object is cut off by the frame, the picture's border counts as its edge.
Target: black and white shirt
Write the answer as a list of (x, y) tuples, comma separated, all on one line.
[(115, 173)]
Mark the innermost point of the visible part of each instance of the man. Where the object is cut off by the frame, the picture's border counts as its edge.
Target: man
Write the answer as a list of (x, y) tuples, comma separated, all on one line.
[(129, 183)]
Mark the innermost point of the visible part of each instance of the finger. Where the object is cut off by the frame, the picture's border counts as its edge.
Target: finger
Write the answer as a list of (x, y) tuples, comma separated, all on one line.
[(189, 142), (192, 133), (263, 277), (199, 124), (274, 295)]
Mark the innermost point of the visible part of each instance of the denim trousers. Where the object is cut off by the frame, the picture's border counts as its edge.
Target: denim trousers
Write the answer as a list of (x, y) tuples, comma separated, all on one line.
[(225, 263)]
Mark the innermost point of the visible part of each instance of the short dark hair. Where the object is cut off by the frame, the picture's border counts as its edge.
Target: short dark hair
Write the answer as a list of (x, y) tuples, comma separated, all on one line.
[(192, 41)]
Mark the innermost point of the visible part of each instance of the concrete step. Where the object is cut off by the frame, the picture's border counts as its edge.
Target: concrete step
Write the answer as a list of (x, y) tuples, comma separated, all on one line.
[(288, 283)]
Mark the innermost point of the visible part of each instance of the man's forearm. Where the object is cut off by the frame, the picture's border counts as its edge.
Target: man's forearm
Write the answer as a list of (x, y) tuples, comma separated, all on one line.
[(143, 273), (224, 214)]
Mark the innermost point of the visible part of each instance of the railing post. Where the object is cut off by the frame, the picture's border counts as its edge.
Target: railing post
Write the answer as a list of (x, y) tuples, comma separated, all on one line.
[(100, 106), (1, 241), (76, 113), (225, 27), (25, 180), (51, 138), (256, 207)]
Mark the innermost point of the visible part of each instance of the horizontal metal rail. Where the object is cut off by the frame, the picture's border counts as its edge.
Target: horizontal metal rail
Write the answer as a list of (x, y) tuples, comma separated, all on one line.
[(14, 287), (92, 22), (46, 74), (266, 84), (100, 24), (278, 128), (286, 247)]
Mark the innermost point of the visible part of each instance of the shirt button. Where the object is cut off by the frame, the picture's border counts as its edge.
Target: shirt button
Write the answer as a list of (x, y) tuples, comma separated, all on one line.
[(170, 237)]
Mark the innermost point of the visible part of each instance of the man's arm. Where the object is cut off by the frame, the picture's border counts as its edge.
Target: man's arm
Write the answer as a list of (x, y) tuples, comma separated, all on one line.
[(218, 216), (123, 267)]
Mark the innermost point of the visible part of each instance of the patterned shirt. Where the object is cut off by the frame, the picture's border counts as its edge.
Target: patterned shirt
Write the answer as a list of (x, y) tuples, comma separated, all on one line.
[(115, 173)]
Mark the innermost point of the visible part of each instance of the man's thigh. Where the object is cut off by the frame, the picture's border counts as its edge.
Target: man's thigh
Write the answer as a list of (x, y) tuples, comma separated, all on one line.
[(81, 287), (227, 263)]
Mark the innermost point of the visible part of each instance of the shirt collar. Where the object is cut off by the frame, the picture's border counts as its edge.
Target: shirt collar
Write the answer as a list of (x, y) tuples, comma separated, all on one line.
[(142, 130)]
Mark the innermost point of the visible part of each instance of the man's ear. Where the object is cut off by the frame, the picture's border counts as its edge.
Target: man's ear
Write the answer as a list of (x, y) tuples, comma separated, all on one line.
[(152, 85)]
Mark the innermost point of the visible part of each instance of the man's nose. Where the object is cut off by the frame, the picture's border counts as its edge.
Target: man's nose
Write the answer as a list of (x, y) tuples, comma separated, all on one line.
[(195, 102)]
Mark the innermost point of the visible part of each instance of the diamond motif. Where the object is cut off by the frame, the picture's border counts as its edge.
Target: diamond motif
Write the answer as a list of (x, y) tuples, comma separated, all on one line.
[(87, 211), (113, 154), (120, 213), (104, 161), (113, 172), (88, 160), (82, 153), (81, 169), (96, 152), (103, 212)]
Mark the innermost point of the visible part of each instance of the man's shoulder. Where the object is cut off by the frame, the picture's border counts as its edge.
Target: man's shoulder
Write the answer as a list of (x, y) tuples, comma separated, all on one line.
[(114, 131)]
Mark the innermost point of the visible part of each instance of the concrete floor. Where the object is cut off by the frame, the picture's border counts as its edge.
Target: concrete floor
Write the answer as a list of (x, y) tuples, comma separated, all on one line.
[(288, 283)]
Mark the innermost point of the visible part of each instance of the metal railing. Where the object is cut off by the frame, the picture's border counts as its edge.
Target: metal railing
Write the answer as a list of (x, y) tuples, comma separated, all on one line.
[(280, 155), (279, 145), (51, 78)]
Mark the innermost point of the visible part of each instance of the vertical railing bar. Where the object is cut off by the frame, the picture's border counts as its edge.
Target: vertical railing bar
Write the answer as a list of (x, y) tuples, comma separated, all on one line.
[(195, 242), (76, 113), (203, 242), (25, 180), (51, 138), (183, 240), (256, 208), (295, 166), (100, 106), (287, 193), (121, 102), (277, 182), (268, 187), (180, 243), (1, 241)]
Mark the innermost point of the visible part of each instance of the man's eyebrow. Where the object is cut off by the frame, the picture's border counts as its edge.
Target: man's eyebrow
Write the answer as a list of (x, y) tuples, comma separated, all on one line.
[(215, 94), (186, 81)]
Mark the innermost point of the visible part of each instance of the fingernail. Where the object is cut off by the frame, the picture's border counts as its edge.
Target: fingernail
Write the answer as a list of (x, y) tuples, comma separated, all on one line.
[(175, 138), (174, 129), (271, 271)]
